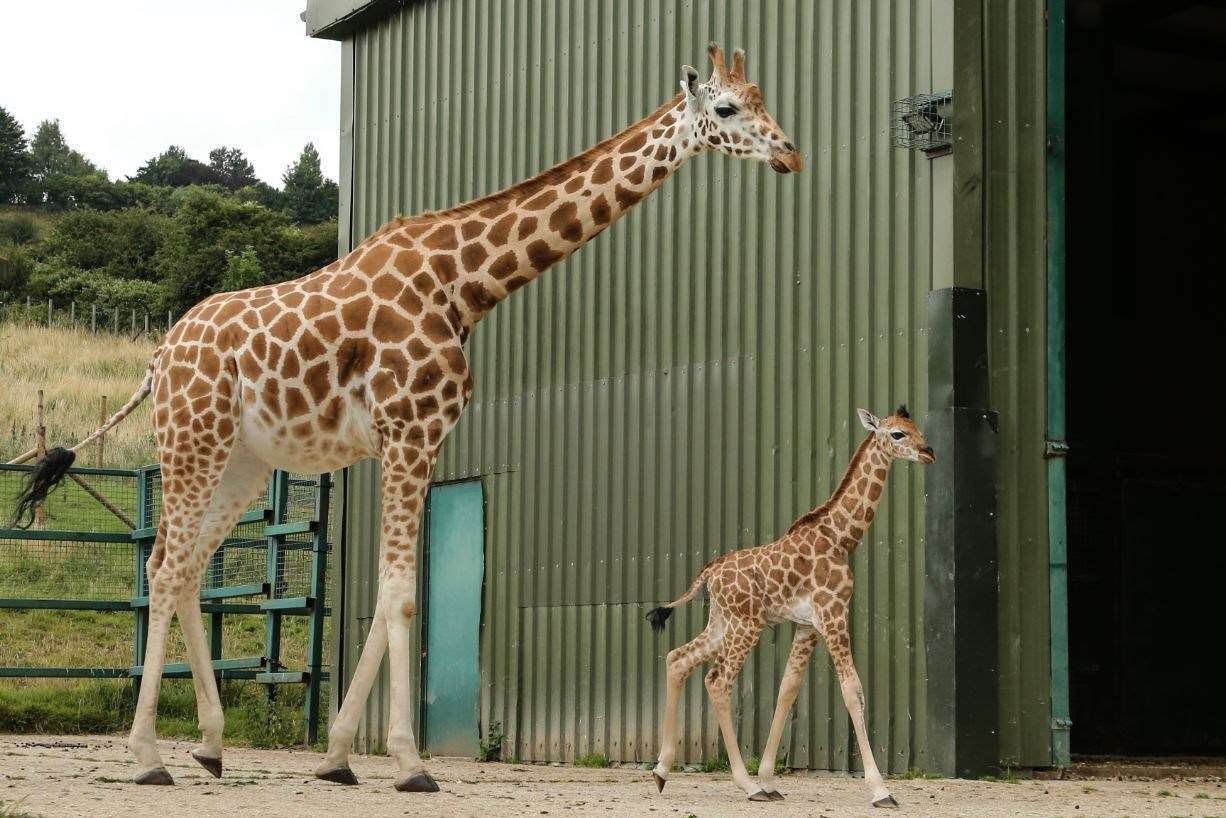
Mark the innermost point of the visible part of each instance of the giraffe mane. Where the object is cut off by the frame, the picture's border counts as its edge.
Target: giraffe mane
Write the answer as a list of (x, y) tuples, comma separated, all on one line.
[(528, 187), (813, 516)]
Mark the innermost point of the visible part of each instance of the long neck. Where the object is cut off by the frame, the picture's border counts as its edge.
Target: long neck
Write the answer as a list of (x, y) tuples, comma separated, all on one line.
[(845, 517), (485, 250)]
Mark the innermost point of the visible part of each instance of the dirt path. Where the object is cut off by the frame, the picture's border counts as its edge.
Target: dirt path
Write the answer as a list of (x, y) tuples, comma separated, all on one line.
[(88, 776)]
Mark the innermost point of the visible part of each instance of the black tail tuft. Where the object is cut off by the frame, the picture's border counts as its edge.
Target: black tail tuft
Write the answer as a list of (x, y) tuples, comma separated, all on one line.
[(658, 616), (47, 474)]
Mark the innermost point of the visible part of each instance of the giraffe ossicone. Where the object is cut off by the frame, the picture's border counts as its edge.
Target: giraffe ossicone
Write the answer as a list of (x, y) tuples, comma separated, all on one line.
[(804, 577), (365, 359)]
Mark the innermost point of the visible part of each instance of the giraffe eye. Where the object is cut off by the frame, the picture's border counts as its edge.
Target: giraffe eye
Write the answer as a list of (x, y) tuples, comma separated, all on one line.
[(725, 111), (898, 435)]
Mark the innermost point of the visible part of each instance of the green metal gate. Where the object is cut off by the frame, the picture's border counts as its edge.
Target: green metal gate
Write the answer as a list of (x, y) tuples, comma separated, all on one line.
[(273, 564)]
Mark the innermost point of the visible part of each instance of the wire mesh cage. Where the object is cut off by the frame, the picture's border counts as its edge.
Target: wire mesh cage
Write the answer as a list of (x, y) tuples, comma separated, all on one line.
[(923, 122)]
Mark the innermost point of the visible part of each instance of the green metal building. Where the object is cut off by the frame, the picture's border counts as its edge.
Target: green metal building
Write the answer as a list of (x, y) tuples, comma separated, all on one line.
[(687, 384)]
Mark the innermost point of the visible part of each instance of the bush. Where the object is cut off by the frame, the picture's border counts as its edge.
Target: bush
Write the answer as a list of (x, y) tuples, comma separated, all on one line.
[(120, 244), (491, 746), (18, 228), (243, 270), (66, 284), (193, 262), (16, 265)]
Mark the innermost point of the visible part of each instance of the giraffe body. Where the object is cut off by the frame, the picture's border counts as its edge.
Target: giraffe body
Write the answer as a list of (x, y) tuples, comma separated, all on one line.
[(365, 359), (804, 577)]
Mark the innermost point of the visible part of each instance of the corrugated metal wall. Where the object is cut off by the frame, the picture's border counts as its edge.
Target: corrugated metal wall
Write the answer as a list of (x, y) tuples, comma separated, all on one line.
[(685, 385), (1016, 267)]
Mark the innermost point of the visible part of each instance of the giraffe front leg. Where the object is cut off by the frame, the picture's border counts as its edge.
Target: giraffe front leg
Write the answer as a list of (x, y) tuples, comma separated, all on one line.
[(406, 479), (839, 644), (798, 659), (719, 682), (244, 477)]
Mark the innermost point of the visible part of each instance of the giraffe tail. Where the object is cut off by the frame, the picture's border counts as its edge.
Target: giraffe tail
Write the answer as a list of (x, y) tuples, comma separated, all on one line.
[(659, 616), (51, 470)]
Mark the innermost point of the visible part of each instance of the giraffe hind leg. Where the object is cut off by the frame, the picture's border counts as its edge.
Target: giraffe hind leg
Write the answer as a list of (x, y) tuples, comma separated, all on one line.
[(680, 664)]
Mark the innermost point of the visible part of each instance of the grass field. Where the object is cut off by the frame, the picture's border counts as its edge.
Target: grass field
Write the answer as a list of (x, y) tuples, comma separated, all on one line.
[(75, 369)]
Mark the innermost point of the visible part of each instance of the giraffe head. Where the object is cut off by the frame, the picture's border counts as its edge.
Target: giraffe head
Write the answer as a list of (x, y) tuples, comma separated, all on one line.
[(898, 435), (730, 116)]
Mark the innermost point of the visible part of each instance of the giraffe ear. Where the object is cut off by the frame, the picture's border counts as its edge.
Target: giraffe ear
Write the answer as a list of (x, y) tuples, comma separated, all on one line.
[(869, 420), (689, 84)]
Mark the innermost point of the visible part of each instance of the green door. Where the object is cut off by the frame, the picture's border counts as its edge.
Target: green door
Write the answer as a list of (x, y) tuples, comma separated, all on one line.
[(455, 569)]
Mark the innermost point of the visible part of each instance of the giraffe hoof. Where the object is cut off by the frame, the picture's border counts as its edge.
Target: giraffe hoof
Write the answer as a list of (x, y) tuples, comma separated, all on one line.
[(886, 802), (339, 775), (419, 782), (660, 781), (760, 795), (157, 776), (774, 795), (213, 765)]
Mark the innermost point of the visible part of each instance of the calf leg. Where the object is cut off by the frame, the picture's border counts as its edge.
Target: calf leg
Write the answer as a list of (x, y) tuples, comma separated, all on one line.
[(739, 641), (802, 648), (838, 641), (681, 663)]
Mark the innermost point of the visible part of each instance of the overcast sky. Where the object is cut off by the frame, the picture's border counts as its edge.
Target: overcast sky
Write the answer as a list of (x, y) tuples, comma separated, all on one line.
[(127, 78)]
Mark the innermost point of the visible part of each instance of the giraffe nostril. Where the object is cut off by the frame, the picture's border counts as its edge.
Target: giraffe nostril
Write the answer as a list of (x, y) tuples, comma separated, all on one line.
[(789, 146)]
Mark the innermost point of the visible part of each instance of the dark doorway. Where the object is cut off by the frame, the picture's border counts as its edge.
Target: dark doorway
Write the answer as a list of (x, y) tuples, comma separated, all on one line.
[(1146, 290)]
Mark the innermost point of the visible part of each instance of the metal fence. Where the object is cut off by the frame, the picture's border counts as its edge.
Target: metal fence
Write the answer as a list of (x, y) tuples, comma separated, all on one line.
[(85, 558)]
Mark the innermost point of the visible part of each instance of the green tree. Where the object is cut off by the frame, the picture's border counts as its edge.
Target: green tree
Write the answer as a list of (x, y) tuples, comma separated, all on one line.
[(232, 166), (58, 168), (174, 168), (14, 159), (50, 154), (309, 197)]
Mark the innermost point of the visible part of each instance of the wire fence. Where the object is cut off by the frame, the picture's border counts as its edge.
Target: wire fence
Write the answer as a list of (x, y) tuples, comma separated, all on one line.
[(129, 321), (81, 551)]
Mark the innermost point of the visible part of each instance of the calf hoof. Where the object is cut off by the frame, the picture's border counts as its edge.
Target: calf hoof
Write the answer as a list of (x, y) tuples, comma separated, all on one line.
[(660, 780), (760, 795), (774, 795), (213, 765), (886, 802), (418, 782), (157, 776), (339, 775)]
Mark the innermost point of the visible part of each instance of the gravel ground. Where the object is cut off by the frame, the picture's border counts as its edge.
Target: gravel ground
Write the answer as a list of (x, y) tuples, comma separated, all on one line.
[(89, 776)]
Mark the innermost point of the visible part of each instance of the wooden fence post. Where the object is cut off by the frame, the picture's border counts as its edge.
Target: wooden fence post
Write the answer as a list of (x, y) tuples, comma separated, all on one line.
[(49, 308), (40, 440), (93, 318)]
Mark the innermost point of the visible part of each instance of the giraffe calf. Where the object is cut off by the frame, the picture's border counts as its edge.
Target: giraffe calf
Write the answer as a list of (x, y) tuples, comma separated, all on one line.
[(804, 577)]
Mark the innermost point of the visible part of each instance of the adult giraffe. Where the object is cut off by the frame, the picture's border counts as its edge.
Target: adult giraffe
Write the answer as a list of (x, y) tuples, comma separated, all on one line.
[(365, 359)]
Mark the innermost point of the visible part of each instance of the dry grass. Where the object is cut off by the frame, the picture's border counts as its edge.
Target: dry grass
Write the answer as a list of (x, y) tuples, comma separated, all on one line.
[(74, 369)]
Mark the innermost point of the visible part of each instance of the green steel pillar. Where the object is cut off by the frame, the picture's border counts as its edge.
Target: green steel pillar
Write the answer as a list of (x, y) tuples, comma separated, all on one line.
[(960, 595), (1057, 512)]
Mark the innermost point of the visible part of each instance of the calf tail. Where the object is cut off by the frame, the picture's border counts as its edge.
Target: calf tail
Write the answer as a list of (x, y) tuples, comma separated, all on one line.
[(659, 616)]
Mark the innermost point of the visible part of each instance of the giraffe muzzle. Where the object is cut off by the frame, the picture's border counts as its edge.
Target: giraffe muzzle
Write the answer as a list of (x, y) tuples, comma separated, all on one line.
[(790, 161), (927, 455)]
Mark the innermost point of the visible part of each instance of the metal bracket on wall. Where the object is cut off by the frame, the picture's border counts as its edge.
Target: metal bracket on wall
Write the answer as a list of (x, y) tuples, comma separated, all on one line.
[(1056, 448)]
